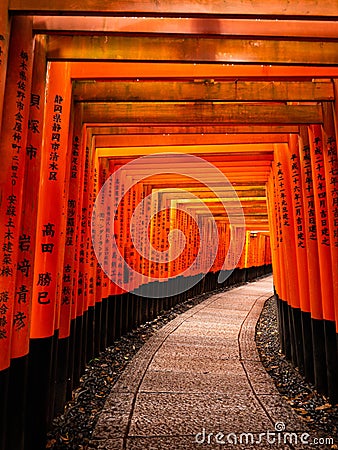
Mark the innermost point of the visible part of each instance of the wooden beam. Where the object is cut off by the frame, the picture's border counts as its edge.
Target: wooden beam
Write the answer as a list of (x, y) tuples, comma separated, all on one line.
[(207, 194), (205, 26), (202, 191), (183, 183), (163, 160), (127, 140), (196, 187), (235, 213), (202, 90), (212, 113), (250, 224), (192, 184), (233, 174), (217, 202), (250, 219), (187, 8), (215, 152), (249, 210), (243, 188), (242, 177), (226, 167), (156, 129), (191, 49), (138, 70)]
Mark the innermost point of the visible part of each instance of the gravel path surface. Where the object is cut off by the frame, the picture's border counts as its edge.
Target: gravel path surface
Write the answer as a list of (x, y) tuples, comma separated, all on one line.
[(73, 429)]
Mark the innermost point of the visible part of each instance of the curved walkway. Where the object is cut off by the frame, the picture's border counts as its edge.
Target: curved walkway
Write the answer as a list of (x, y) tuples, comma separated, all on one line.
[(197, 375)]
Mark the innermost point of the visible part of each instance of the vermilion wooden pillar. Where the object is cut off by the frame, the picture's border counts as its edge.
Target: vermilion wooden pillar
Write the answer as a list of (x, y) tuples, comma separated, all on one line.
[(331, 179), (103, 176), (241, 262), (25, 279), (288, 238), (104, 284), (111, 226), (12, 156), (303, 315), (111, 260), (260, 250), (165, 266), (283, 294), (315, 294), (131, 259), (191, 231), (322, 222), (100, 332), (94, 305), (12, 153), (178, 224), (137, 264), (74, 177), (323, 233), (181, 225), (141, 263), (4, 32), (50, 244), (274, 231), (282, 290), (285, 187), (154, 233), (76, 329), (124, 246), (80, 285), (335, 119), (331, 176), (88, 300)]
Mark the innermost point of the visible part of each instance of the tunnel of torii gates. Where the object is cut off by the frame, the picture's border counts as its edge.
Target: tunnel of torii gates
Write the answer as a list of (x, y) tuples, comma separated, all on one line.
[(238, 102)]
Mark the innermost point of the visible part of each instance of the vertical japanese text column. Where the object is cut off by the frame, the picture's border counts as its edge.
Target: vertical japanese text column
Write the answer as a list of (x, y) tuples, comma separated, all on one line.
[(323, 232), (74, 270), (12, 156), (331, 178), (315, 295), (66, 326), (50, 239), (298, 204), (26, 252)]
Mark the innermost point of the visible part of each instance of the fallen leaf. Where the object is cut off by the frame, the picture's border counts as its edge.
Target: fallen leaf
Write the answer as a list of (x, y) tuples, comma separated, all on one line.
[(326, 406), (301, 411)]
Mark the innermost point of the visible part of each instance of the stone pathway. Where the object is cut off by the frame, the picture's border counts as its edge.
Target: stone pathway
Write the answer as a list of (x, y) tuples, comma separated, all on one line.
[(201, 374)]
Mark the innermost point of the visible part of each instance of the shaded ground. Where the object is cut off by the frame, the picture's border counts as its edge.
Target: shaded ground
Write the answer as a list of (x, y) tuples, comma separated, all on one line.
[(314, 409)]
